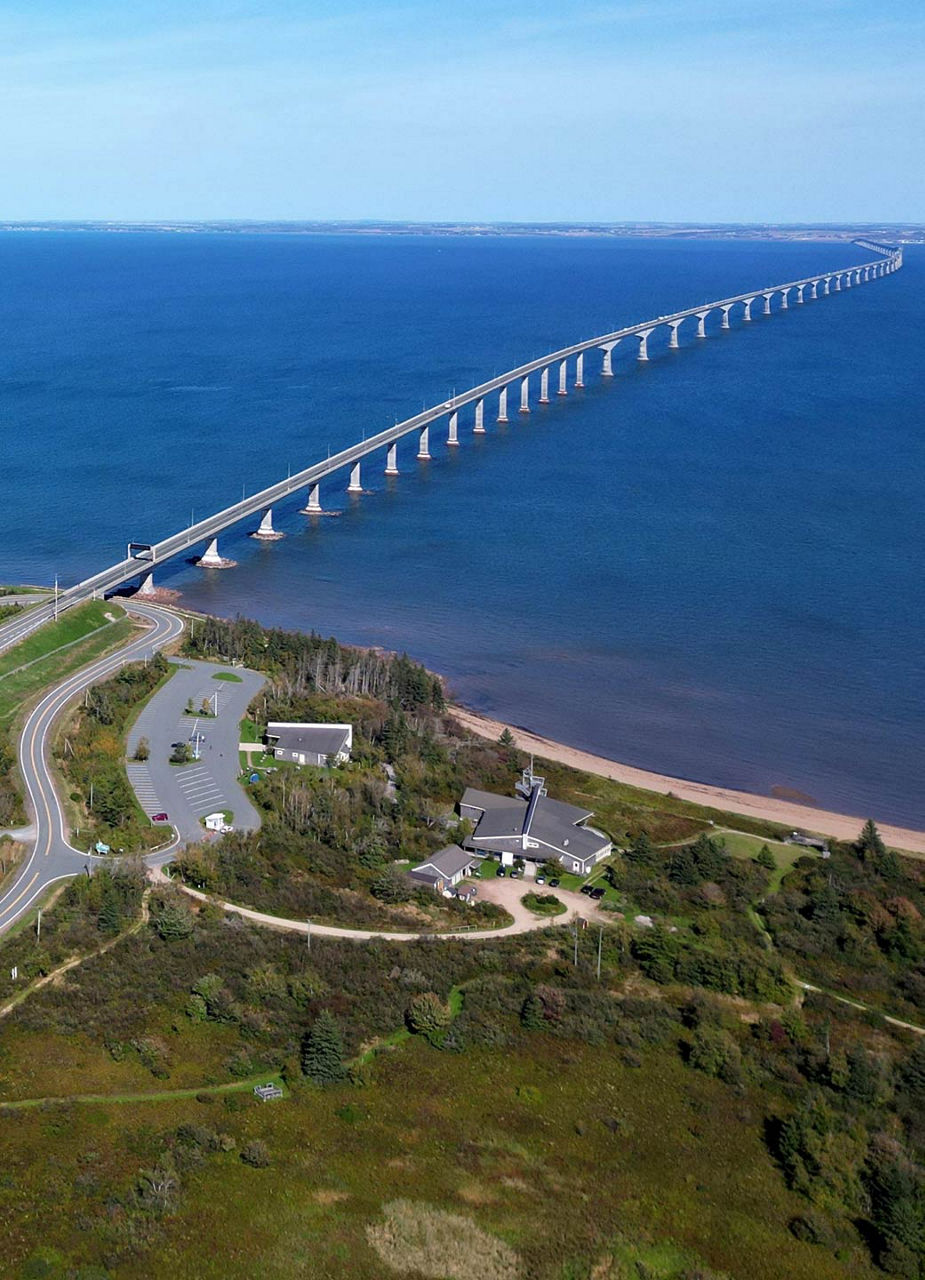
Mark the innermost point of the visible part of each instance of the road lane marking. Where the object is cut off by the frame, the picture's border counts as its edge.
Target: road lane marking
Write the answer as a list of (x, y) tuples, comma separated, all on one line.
[(8, 909)]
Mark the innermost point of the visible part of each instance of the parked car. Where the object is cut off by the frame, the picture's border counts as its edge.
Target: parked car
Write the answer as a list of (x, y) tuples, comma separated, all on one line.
[(587, 888), (501, 872), (554, 883), (597, 893), (540, 879), (515, 873), (159, 817)]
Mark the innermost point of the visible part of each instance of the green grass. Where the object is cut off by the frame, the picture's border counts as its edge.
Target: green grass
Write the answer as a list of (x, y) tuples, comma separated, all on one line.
[(488, 869), (250, 731), (160, 1095), (695, 1190), (533, 902), (745, 846), (229, 676)]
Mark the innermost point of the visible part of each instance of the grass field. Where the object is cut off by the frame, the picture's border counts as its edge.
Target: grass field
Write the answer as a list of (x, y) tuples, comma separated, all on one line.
[(741, 845), (229, 676), (563, 1152)]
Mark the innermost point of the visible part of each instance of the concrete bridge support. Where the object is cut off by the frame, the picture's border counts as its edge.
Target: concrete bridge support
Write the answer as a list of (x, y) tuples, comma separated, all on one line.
[(607, 366), (747, 314), (266, 532), (356, 484), (827, 285), (800, 288), (453, 432), (544, 386), (391, 461), (313, 505), (814, 286), (580, 370), (147, 587), (424, 445), (784, 303), (837, 280), (502, 405), (525, 395), (767, 302), (479, 426), (673, 343), (702, 323), (211, 559), (563, 378), (643, 337), (726, 310)]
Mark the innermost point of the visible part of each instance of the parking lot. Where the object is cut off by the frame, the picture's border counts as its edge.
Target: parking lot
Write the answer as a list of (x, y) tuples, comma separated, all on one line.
[(209, 784)]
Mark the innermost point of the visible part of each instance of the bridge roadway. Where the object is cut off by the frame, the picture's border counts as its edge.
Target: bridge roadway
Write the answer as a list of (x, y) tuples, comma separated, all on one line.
[(139, 564)]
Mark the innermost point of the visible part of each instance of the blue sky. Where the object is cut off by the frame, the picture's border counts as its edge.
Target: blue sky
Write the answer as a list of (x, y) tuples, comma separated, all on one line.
[(711, 110)]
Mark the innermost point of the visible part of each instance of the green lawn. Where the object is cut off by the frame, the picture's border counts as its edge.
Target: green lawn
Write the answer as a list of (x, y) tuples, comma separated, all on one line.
[(741, 845), (231, 678), (534, 902), (250, 730)]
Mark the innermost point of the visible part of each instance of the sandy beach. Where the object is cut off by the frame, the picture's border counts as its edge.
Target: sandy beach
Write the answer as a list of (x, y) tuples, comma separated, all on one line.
[(838, 825)]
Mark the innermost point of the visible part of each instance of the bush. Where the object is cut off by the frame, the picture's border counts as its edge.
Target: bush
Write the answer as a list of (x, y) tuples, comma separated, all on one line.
[(256, 1154)]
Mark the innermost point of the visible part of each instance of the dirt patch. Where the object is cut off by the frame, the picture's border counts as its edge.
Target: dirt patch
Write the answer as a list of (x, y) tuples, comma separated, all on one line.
[(417, 1238), (327, 1196)]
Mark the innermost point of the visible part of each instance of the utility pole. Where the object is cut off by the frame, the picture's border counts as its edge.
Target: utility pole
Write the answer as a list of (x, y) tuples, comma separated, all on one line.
[(38, 925)]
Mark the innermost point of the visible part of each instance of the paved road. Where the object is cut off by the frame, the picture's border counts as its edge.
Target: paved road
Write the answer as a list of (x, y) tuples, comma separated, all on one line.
[(188, 792), (52, 857)]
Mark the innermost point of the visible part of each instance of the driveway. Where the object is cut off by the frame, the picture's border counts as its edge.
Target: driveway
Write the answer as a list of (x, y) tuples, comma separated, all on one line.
[(508, 893), (188, 792)]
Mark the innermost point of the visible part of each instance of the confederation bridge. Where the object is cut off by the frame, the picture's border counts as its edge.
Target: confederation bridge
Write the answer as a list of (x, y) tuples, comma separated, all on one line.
[(560, 368)]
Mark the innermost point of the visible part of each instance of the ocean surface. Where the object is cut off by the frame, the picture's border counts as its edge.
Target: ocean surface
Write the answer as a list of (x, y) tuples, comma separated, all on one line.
[(709, 566)]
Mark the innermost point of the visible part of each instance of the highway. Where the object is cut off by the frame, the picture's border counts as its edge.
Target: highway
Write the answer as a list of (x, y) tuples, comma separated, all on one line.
[(53, 857)]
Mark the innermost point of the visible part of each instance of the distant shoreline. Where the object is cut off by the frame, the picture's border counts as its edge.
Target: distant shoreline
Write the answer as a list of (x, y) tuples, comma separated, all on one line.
[(839, 826), (845, 233)]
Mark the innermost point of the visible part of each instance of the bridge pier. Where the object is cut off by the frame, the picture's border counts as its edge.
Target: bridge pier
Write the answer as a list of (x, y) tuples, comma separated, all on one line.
[(479, 427), (563, 378), (453, 432), (767, 302), (814, 286), (607, 366), (356, 484), (502, 405), (147, 587), (800, 288), (837, 279), (826, 286), (525, 394), (424, 445), (313, 505), (212, 560), (673, 343), (265, 532), (702, 323), (784, 304), (747, 303), (580, 369), (643, 337), (391, 462), (725, 310), (544, 386)]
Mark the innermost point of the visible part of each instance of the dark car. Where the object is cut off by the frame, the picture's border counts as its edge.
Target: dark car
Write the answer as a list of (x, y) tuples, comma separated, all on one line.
[(501, 872), (554, 883), (587, 888), (597, 894), (159, 817)]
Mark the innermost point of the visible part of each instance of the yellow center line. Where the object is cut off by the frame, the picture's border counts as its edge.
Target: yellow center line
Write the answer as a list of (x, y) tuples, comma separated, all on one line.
[(7, 910)]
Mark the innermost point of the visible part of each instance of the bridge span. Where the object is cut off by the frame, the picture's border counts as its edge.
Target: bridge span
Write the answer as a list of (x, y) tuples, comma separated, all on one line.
[(556, 367)]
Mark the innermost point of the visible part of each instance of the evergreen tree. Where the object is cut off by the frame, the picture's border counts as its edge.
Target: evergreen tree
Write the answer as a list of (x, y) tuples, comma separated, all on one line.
[(869, 844), (766, 859), (506, 739), (641, 850), (323, 1051), (531, 1013)]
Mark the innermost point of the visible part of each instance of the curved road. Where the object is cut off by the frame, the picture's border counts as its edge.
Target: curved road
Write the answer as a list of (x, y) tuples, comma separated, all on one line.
[(53, 857)]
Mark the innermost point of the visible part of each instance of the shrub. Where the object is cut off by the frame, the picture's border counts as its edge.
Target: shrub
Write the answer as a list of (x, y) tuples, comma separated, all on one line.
[(256, 1154), (428, 1016)]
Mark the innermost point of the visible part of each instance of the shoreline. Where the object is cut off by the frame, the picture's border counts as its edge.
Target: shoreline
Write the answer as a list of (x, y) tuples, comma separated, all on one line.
[(839, 826)]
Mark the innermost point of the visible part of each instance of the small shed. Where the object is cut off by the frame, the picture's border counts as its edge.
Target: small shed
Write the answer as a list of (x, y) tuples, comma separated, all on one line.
[(443, 871), (216, 822)]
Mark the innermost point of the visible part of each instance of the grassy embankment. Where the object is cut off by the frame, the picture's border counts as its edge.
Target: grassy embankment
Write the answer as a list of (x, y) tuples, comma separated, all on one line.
[(44, 658)]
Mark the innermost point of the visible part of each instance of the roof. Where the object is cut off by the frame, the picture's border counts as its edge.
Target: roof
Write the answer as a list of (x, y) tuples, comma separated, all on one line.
[(550, 822), (320, 739), (445, 864)]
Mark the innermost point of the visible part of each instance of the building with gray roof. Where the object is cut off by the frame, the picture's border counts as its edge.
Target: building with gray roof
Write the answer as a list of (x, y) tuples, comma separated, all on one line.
[(533, 827), (442, 871), (317, 744)]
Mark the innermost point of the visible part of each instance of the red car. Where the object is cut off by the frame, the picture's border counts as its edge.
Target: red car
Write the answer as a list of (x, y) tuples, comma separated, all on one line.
[(159, 817)]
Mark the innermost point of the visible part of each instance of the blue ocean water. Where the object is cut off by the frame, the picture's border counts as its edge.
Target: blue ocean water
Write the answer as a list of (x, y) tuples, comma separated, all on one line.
[(710, 566)]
